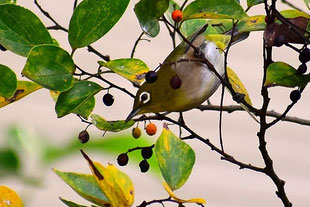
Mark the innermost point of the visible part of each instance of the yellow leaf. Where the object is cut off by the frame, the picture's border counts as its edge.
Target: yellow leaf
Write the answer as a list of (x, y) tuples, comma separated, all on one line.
[(116, 185), (23, 89), (220, 40), (179, 200), (8, 198), (238, 85)]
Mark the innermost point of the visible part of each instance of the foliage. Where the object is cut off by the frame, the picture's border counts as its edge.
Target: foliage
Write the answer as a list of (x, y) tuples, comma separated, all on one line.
[(224, 22)]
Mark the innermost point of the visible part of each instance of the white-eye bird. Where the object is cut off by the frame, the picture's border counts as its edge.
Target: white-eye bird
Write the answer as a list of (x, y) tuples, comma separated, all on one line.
[(183, 81)]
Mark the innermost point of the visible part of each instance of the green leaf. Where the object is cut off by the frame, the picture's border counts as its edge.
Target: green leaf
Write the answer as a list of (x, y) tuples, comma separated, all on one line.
[(84, 185), (8, 82), (7, 1), (253, 23), (132, 69), (210, 9), (86, 108), (20, 29), (282, 74), (70, 203), (254, 2), (112, 126), (51, 67), (92, 19), (9, 162), (307, 2), (70, 100), (148, 13), (292, 13), (190, 26), (23, 88), (175, 158)]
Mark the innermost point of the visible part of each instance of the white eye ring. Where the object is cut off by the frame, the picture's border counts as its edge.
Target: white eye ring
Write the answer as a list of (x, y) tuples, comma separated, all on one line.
[(145, 97)]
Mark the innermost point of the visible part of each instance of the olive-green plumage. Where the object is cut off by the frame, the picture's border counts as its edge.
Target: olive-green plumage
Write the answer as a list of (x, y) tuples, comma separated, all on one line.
[(198, 82)]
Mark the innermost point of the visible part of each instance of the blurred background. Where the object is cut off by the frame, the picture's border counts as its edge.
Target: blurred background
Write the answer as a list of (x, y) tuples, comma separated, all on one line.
[(31, 132)]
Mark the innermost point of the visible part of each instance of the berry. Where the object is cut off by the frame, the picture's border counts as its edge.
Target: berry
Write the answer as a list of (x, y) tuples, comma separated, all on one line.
[(279, 40), (144, 166), (83, 136), (147, 152), (151, 129), (177, 15), (304, 55), (108, 99), (295, 95), (151, 76), (2, 48), (302, 68), (136, 132), (175, 82), (122, 159)]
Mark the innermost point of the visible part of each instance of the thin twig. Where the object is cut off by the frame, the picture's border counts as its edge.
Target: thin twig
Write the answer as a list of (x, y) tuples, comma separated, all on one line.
[(136, 44), (45, 13), (75, 4), (271, 113), (93, 50)]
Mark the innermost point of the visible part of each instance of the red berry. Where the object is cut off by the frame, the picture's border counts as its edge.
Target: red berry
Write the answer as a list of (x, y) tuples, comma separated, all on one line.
[(151, 129), (177, 15)]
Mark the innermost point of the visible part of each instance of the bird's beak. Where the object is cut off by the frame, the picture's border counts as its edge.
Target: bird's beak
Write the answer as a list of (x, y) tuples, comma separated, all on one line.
[(132, 114)]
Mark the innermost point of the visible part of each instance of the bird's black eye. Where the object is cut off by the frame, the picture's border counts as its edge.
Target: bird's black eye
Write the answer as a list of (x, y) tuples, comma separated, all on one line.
[(145, 97)]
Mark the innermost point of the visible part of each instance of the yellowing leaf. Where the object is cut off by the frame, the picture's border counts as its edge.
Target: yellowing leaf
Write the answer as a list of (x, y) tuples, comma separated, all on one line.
[(238, 85), (8, 198), (23, 89), (173, 196), (130, 68), (116, 185), (221, 41), (175, 158)]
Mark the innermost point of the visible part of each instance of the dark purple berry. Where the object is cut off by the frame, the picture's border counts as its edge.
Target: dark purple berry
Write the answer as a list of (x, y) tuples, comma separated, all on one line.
[(304, 56), (83, 136), (108, 99), (122, 159), (302, 68), (151, 76), (295, 95), (279, 40), (175, 82), (147, 152), (144, 166), (2, 48)]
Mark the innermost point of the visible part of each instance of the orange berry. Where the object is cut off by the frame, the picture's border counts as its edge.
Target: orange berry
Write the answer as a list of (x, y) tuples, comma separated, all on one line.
[(136, 132), (8, 198), (151, 129), (177, 15)]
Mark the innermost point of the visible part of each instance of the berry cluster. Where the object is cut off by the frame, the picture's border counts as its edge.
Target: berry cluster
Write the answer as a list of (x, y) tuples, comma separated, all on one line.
[(146, 153)]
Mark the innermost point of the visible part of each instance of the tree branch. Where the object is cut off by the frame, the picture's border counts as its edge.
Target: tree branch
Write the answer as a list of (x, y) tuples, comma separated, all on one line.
[(271, 113)]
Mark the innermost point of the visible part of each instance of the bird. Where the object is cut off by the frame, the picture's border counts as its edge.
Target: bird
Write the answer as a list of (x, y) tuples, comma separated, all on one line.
[(183, 81)]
